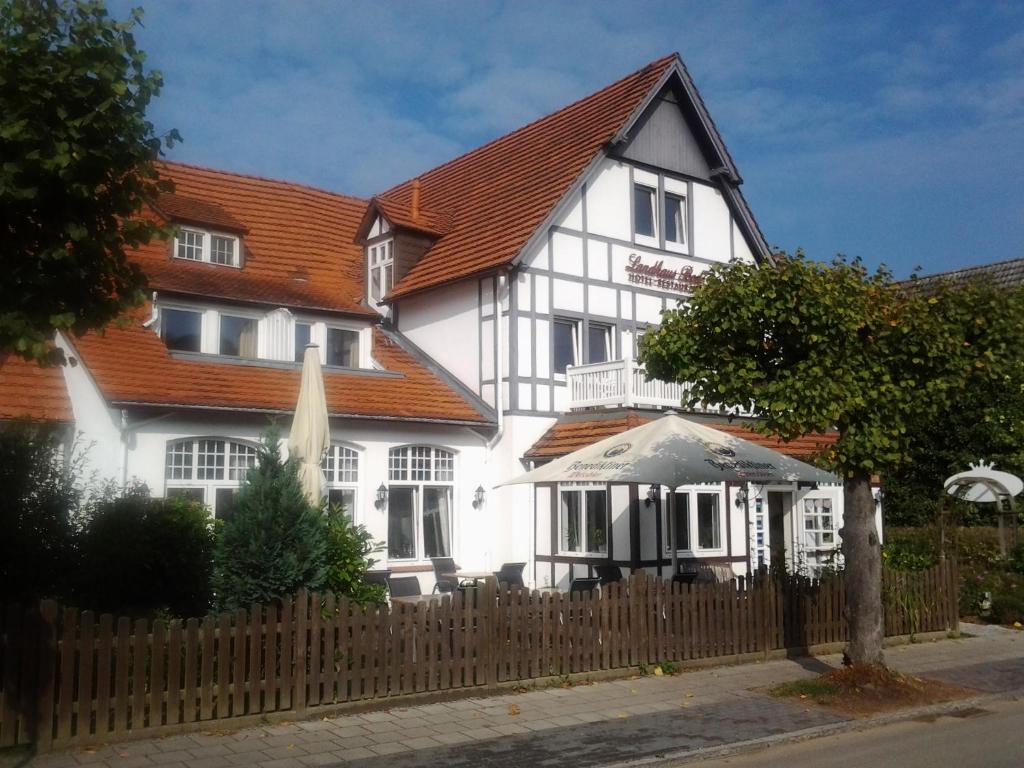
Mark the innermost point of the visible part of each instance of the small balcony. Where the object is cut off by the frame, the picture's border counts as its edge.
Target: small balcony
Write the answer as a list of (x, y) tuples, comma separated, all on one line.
[(623, 384)]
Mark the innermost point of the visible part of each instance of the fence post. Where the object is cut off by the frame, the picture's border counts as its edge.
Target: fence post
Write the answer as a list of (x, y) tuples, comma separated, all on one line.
[(46, 670), (300, 649), (488, 614)]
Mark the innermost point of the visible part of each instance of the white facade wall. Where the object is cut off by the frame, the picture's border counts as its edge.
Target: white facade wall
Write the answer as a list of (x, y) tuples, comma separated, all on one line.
[(444, 323)]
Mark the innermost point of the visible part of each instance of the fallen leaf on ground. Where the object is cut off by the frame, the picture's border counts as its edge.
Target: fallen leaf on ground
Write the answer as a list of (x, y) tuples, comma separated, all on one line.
[(513, 709)]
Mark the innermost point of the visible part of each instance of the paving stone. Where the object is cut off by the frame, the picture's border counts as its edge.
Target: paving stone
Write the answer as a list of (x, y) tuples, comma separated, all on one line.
[(347, 730), (359, 753), (389, 749), (423, 742), (213, 761), (177, 756)]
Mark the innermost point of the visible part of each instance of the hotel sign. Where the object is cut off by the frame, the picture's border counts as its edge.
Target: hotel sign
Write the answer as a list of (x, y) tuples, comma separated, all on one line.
[(654, 274)]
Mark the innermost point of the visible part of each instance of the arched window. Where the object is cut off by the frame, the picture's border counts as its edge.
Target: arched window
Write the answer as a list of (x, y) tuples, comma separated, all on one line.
[(208, 469), (420, 502), (341, 470)]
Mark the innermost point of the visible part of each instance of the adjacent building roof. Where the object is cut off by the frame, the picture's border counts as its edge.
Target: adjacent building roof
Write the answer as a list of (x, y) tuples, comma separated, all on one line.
[(28, 391), (131, 366), (499, 194), (299, 245), (575, 431), (1006, 274)]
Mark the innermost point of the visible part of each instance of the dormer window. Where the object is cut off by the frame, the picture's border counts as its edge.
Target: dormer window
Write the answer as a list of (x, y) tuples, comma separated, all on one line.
[(212, 247), (381, 262)]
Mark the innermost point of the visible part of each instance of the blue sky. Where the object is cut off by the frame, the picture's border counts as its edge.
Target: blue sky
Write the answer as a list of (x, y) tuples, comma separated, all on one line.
[(894, 132)]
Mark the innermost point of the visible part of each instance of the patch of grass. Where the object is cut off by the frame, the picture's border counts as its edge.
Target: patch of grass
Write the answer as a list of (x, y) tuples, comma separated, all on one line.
[(812, 687)]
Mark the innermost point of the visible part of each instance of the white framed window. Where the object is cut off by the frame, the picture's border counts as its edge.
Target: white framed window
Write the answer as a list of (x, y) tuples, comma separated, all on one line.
[(341, 470), (208, 470), (342, 347), (302, 338), (600, 343), (675, 219), (645, 211), (819, 537), (238, 336), (565, 345), (182, 329), (203, 245), (420, 496), (381, 269), (699, 520), (583, 519)]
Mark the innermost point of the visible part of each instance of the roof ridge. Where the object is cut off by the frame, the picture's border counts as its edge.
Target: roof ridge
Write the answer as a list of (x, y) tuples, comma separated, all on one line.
[(480, 148), (971, 268), (268, 179)]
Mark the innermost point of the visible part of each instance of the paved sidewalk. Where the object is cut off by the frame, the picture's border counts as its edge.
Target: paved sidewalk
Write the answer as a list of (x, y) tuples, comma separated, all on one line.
[(587, 725)]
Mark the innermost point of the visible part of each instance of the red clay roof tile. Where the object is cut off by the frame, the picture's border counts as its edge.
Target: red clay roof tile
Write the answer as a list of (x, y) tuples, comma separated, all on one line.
[(299, 246), (186, 209), (28, 391), (131, 365), (499, 194), (571, 434)]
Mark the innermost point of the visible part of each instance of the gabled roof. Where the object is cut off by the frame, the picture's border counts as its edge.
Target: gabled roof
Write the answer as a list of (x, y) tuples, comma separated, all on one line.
[(28, 391), (131, 366), (499, 196), (575, 431), (1005, 274), (299, 247), (433, 223)]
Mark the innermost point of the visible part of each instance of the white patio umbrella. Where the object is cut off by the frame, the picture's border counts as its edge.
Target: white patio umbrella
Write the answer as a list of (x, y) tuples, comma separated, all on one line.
[(673, 451), (310, 435)]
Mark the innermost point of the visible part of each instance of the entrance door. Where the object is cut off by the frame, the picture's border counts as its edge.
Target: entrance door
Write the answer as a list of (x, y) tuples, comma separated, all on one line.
[(779, 502)]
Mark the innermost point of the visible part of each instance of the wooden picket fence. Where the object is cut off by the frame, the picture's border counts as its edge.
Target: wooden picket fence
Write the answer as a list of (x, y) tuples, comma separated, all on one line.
[(70, 677)]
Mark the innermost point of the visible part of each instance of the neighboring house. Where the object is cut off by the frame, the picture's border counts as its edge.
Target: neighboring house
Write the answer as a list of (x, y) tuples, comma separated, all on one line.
[(1005, 274), (472, 321)]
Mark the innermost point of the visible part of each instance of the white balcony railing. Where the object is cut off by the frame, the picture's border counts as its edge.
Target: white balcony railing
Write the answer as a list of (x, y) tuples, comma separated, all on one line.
[(623, 383)]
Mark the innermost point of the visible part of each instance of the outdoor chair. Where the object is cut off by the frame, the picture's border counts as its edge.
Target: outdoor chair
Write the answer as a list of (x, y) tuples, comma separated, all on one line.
[(608, 574), (584, 585), (511, 574), (377, 577), (444, 569), (404, 586)]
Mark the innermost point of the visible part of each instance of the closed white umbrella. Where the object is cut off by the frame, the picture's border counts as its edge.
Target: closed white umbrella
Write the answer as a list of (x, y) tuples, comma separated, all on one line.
[(672, 451), (310, 435)]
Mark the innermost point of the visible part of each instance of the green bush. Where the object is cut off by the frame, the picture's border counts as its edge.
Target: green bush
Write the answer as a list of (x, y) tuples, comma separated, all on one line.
[(142, 556), (1006, 609), (349, 548), (40, 485), (275, 543), (908, 554)]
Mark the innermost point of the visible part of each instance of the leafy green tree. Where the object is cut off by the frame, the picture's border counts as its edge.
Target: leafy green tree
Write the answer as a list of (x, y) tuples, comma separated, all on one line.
[(77, 168), (349, 550), (814, 347), (275, 542), (985, 420)]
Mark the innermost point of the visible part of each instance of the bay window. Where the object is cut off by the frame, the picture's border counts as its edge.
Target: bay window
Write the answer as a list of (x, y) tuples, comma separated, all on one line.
[(420, 502), (208, 470), (583, 519)]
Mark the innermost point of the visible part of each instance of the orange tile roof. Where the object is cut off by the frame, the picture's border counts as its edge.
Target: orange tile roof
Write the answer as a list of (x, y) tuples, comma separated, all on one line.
[(431, 222), (299, 242), (499, 194), (571, 434), (28, 391), (131, 365)]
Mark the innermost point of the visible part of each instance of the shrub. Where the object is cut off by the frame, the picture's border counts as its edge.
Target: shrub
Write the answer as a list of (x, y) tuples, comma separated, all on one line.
[(349, 547), (40, 484), (142, 556), (275, 542), (909, 554), (1006, 609)]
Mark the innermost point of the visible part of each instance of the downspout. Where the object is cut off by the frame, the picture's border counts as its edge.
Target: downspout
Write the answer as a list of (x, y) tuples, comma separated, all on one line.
[(153, 314)]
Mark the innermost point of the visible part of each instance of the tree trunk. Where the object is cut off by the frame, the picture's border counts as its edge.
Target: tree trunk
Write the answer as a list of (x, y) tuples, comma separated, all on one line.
[(862, 553)]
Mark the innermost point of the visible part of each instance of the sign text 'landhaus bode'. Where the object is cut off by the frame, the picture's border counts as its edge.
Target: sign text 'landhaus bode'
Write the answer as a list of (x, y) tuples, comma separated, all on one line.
[(657, 275)]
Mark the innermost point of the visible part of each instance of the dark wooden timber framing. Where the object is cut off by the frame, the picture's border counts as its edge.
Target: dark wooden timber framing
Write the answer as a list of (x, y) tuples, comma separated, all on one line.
[(634, 527)]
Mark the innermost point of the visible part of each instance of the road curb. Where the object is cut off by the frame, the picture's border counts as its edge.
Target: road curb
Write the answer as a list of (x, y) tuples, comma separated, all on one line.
[(701, 754)]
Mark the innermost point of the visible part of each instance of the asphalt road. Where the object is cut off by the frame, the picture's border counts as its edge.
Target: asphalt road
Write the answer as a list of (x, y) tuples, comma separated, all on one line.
[(990, 737)]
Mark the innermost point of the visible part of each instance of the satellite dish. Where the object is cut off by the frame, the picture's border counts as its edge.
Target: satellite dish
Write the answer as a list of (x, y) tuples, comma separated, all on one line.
[(981, 483)]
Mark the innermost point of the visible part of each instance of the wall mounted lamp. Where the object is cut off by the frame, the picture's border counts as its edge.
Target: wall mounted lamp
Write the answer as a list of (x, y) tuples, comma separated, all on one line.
[(652, 494), (382, 496), (478, 497)]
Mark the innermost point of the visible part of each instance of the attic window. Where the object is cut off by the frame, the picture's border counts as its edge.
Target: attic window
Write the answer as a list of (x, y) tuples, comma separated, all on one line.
[(212, 247), (381, 266)]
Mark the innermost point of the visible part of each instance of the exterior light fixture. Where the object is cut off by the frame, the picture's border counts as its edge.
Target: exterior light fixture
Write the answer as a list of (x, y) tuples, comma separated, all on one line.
[(382, 496), (652, 495), (741, 497), (478, 497)]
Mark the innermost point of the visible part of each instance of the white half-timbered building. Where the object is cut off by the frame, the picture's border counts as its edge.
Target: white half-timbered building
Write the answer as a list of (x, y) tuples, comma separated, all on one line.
[(472, 322)]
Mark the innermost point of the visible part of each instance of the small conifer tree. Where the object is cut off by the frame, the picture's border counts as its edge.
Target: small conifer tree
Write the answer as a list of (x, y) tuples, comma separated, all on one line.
[(275, 543)]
